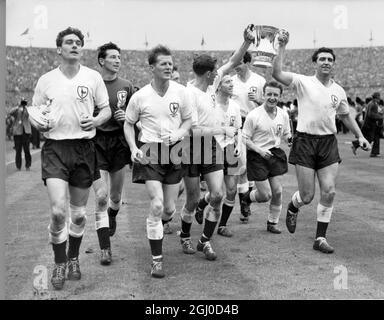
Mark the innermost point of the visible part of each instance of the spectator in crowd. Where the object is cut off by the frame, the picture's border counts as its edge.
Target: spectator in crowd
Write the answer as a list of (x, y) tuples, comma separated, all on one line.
[(9, 120), (372, 125), (21, 134)]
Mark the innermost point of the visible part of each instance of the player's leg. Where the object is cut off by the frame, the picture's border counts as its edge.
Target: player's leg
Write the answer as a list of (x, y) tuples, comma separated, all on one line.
[(58, 229), (327, 181), (18, 139), (114, 204), (100, 186), (214, 181), (170, 192), (275, 205), (306, 182), (155, 227), (192, 188), (77, 219), (203, 202), (27, 152), (228, 204)]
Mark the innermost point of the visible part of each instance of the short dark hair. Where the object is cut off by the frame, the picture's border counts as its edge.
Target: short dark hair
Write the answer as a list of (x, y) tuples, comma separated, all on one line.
[(157, 51), (23, 102), (203, 63), (273, 84), (323, 49), (102, 50), (175, 68), (69, 30), (247, 57)]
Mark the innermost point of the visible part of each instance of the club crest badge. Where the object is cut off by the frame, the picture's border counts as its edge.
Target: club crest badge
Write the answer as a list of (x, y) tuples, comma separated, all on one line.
[(335, 100), (232, 121), (174, 108), (121, 98), (253, 89), (279, 130), (82, 92)]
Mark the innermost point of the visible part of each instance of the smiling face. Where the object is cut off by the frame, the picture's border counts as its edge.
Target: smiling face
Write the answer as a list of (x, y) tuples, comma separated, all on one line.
[(71, 48), (271, 97), (112, 61), (324, 63), (226, 86), (162, 68)]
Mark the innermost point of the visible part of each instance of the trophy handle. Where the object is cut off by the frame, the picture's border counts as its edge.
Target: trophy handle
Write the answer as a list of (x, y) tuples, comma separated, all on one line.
[(282, 35)]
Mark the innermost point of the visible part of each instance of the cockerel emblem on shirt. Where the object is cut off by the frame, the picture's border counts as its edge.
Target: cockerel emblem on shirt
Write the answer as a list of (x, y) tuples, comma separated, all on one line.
[(121, 98), (279, 130), (335, 100), (232, 121), (174, 108), (82, 92)]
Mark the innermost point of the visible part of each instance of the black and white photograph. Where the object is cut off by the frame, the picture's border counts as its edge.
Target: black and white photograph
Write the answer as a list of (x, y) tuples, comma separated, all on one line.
[(194, 152)]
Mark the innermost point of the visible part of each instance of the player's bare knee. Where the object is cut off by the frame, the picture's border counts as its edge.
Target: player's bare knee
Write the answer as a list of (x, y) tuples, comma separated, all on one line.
[(328, 195), (58, 214), (216, 197), (156, 208), (231, 193), (277, 193), (101, 199), (307, 197), (116, 197), (264, 196), (78, 216)]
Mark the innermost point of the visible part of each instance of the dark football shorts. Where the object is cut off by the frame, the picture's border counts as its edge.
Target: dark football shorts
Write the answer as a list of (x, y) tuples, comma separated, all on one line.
[(73, 161), (242, 122), (314, 151), (160, 166), (260, 169), (112, 150), (230, 161), (204, 159)]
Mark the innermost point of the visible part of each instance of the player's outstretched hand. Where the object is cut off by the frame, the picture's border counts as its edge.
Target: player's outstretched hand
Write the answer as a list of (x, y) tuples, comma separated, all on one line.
[(249, 34), (364, 144)]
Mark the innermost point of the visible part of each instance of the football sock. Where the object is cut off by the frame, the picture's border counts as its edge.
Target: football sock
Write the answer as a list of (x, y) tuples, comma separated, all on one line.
[(59, 251)]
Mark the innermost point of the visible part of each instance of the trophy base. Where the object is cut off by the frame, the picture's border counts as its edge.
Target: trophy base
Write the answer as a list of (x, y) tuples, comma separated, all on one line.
[(263, 59)]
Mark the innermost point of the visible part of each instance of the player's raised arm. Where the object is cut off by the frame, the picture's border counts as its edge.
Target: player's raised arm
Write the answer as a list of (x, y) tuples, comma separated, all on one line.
[(235, 59), (280, 75)]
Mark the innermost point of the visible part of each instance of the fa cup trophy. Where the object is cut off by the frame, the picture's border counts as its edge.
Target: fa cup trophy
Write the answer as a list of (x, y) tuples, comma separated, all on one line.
[(266, 38)]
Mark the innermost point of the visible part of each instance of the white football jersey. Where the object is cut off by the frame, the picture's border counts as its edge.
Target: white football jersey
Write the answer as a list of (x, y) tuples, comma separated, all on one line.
[(71, 99), (265, 132), (318, 105), (204, 103), (255, 83), (158, 114), (228, 118)]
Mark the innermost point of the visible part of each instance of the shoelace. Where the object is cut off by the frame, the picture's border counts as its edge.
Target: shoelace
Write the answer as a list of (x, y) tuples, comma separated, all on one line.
[(156, 265), (59, 272), (74, 265), (188, 244)]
